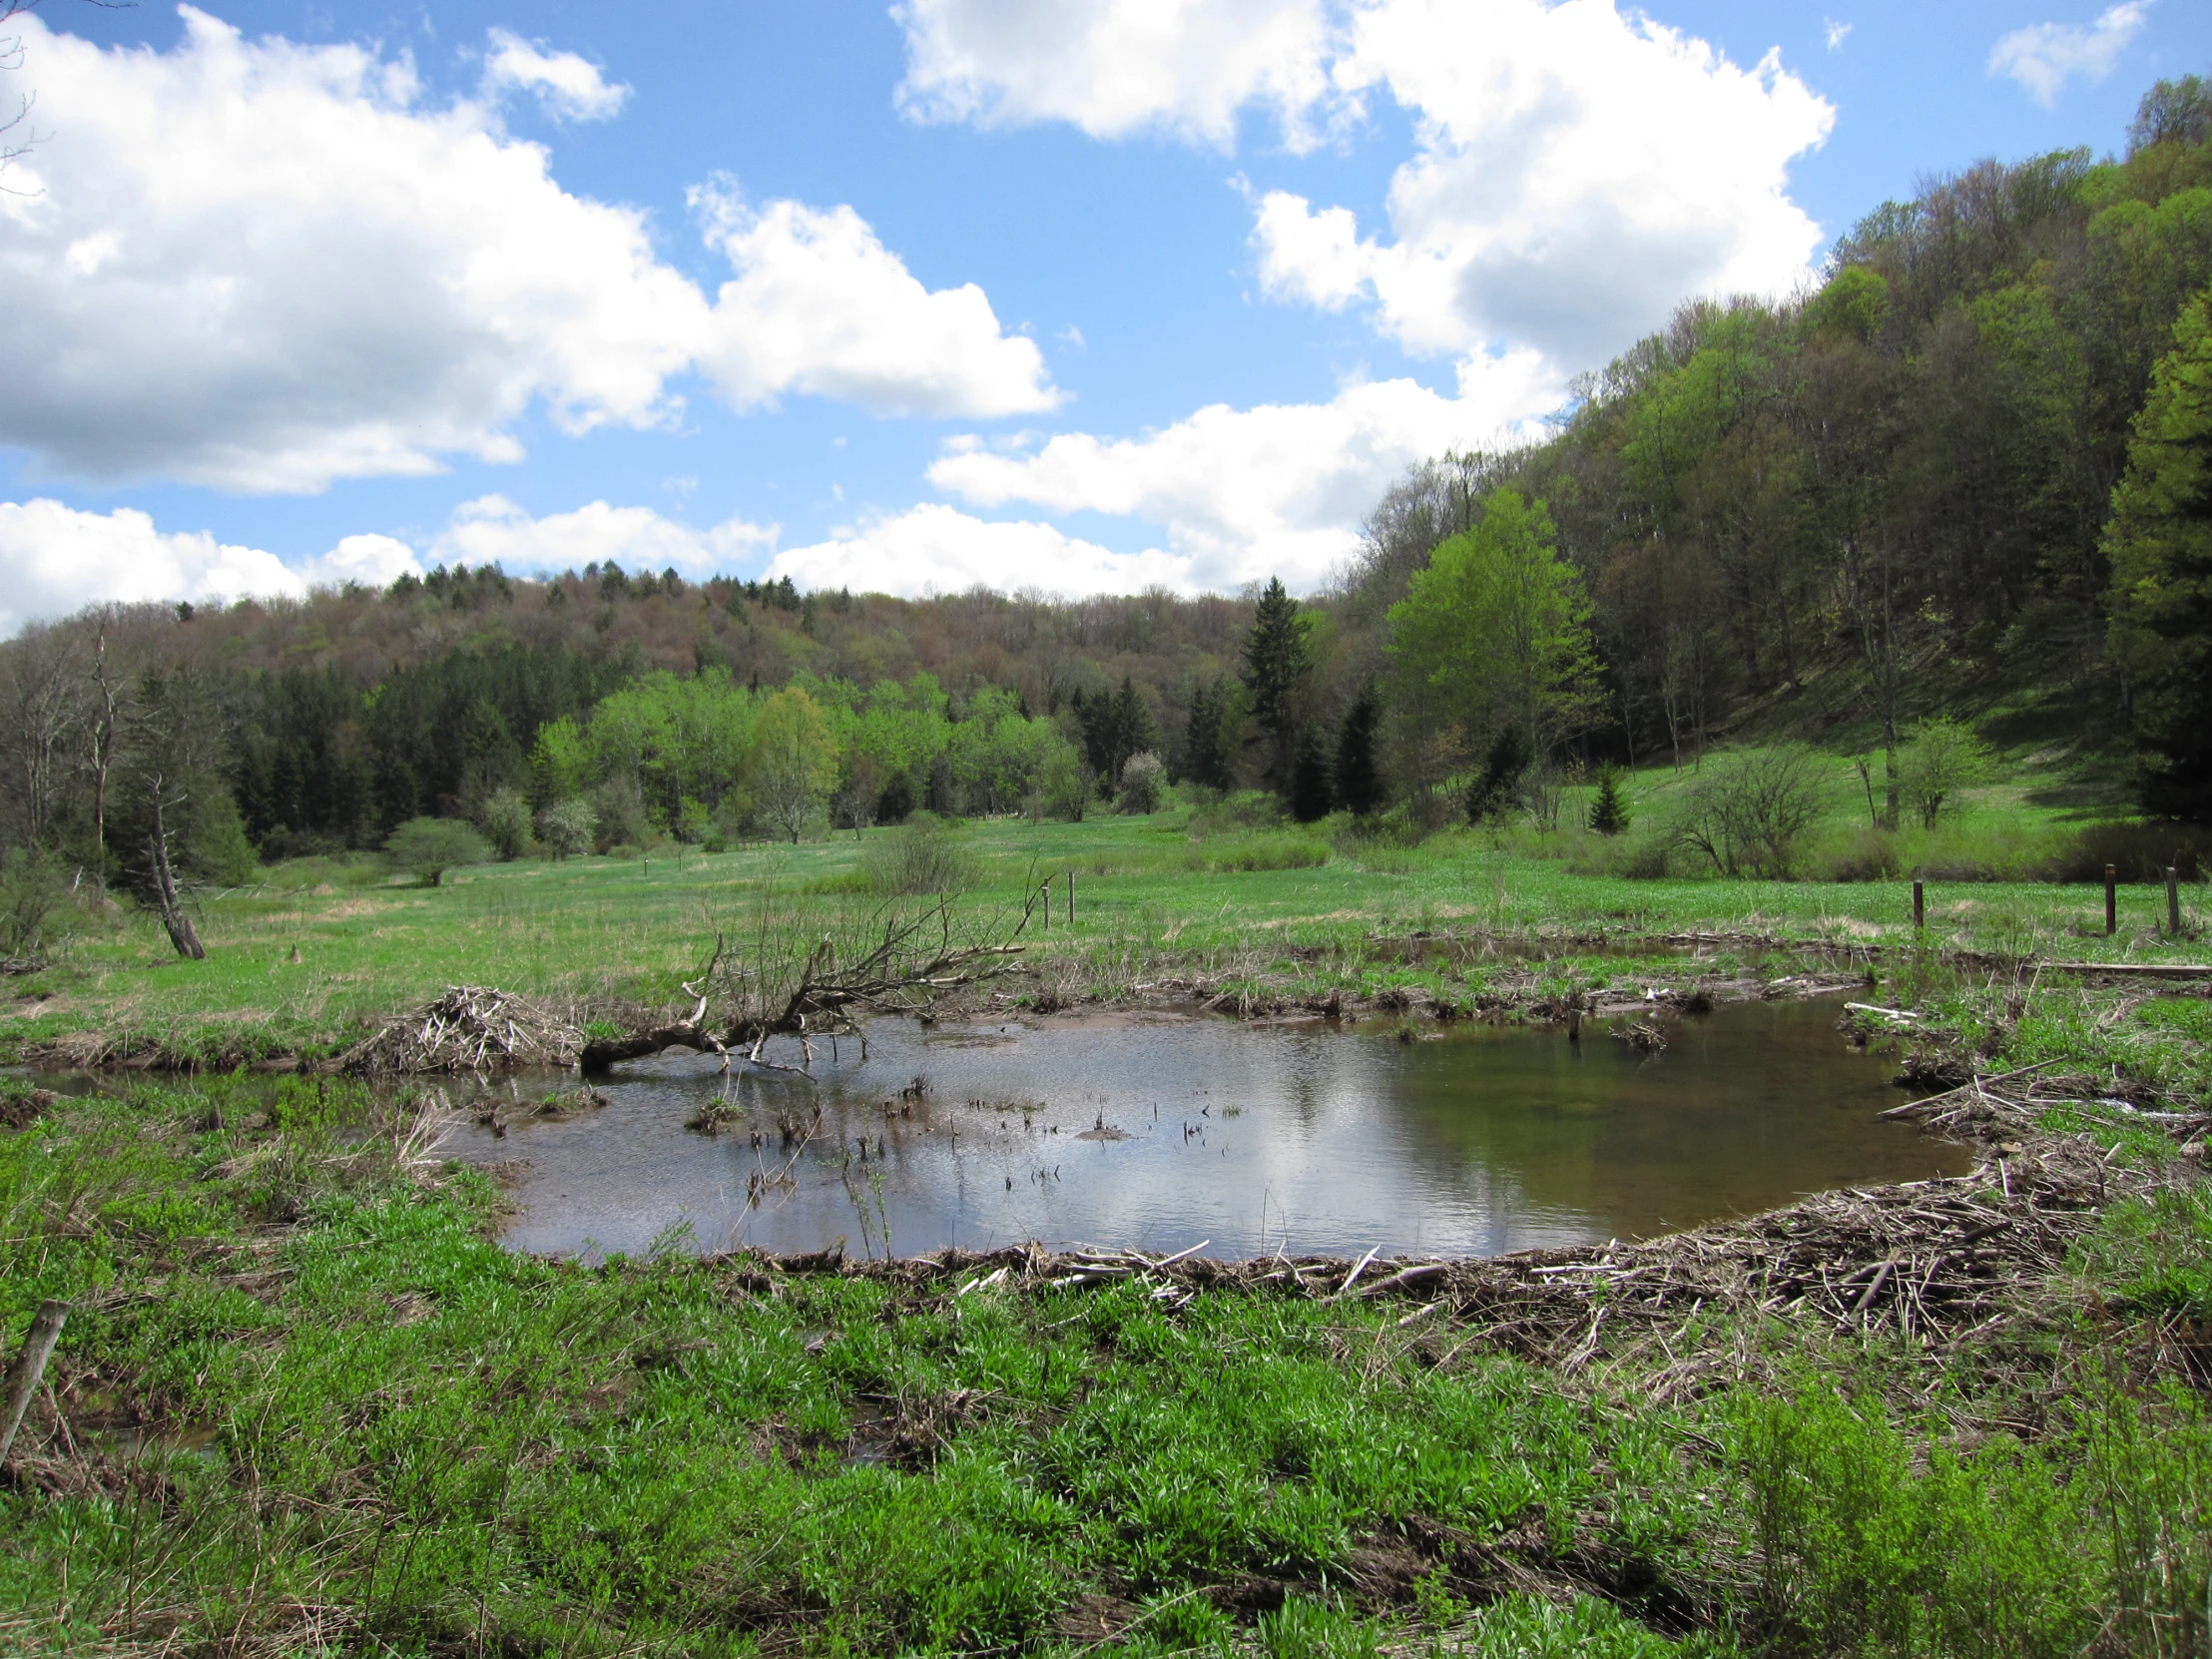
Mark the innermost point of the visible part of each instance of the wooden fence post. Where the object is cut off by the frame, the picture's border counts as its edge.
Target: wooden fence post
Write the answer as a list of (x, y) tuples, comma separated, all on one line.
[(2111, 901), (1920, 904), (2174, 901), (1071, 899), (1046, 890), (29, 1368)]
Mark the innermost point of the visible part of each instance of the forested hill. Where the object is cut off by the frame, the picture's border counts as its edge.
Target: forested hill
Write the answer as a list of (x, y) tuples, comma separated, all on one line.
[(1908, 474), (1846, 510)]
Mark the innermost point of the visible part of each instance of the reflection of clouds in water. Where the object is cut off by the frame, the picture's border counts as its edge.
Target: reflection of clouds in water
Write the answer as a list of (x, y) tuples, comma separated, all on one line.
[(1490, 1139)]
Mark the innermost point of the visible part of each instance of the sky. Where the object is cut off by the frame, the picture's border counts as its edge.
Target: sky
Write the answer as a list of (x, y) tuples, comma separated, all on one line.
[(1089, 296)]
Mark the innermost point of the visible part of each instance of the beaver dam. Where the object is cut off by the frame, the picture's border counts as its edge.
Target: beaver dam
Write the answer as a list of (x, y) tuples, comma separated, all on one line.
[(1166, 1132)]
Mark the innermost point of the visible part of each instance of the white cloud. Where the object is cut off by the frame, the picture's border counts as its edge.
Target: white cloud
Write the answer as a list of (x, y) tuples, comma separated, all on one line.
[(1114, 67), (1838, 33), (819, 305), (1577, 170), (492, 529), (58, 560), (933, 548), (1279, 489), (265, 266), (567, 87), (1577, 174), (2043, 57)]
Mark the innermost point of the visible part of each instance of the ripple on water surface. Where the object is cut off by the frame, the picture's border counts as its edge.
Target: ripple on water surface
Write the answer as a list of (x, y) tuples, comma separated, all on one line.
[(1160, 1130)]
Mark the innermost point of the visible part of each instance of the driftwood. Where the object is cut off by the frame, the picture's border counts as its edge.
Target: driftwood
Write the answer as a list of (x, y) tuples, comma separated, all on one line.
[(905, 961), (29, 1368)]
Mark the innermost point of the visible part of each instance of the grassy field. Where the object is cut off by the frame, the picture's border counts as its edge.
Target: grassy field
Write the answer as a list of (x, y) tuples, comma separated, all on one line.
[(305, 1404), (307, 961)]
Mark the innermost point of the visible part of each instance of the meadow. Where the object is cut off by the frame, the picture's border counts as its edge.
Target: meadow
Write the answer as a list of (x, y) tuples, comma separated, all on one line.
[(307, 1405)]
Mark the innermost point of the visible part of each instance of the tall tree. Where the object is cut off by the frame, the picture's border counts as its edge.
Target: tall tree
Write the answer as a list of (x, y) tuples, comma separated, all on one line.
[(1276, 663), (1359, 776), (1499, 625), (2161, 545), (794, 765), (1207, 752)]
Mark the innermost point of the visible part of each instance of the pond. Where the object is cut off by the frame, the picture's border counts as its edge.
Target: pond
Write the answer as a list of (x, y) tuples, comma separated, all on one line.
[(1164, 1131)]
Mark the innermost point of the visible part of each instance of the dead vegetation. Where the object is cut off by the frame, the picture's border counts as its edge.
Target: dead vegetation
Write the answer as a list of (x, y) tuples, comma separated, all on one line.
[(469, 1028)]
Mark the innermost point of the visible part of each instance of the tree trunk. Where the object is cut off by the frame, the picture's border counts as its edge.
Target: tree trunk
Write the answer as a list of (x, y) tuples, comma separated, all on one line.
[(181, 931)]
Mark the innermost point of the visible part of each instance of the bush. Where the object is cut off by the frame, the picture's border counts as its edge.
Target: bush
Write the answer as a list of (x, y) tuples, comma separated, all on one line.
[(1144, 781), (1940, 758), (1751, 813), (567, 827), (428, 847), (503, 819), (217, 849), (32, 906), (918, 859), (621, 817), (2140, 852)]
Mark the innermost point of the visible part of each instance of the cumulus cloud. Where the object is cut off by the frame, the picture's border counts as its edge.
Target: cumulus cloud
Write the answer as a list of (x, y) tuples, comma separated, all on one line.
[(2043, 57), (1279, 489), (567, 87), (933, 548), (1577, 170), (493, 530), (1115, 67), (59, 559), (819, 305), (263, 266)]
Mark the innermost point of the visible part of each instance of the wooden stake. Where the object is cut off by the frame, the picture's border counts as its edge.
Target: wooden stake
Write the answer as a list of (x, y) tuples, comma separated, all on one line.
[(2173, 902), (1071, 899), (2111, 901), (1920, 904), (29, 1368), (1046, 890)]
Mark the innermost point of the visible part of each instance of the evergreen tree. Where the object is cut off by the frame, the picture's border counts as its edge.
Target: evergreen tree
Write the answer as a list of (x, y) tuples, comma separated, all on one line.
[(1609, 812), (1205, 756), (2159, 542), (1359, 781), (1498, 786), (1276, 665), (1311, 791)]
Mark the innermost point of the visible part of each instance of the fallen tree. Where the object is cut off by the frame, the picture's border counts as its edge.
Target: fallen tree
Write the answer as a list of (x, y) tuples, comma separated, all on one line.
[(896, 959)]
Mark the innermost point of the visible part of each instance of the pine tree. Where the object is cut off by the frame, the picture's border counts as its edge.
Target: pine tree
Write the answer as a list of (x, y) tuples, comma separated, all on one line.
[(1311, 791), (1609, 812), (1359, 781), (1276, 663), (1205, 754)]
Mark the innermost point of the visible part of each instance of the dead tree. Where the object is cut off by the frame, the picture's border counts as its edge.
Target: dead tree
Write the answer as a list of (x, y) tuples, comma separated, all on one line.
[(898, 959), (182, 934)]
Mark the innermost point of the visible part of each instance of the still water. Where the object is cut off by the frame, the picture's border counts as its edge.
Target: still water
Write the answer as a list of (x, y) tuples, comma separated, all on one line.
[(1160, 1131)]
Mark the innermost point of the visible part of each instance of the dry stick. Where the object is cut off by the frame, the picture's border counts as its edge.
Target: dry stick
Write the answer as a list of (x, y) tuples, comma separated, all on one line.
[(29, 1366), (1926, 1101), (1358, 1268)]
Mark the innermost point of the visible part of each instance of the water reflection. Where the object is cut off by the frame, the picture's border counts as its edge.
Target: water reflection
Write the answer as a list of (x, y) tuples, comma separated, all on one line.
[(1252, 1137)]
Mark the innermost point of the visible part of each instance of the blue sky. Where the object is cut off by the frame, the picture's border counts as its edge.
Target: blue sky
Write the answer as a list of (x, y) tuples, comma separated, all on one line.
[(1075, 297)]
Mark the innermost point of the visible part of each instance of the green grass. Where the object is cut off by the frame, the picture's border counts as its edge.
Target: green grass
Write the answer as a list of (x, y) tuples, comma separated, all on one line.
[(1293, 912), (360, 1414)]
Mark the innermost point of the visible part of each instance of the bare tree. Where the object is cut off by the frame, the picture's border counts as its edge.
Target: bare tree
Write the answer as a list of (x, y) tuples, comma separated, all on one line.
[(39, 699)]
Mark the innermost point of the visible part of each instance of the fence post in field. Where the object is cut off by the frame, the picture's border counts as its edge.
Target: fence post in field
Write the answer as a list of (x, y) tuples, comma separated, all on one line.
[(29, 1366), (1071, 899), (2111, 901), (1046, 890), (1920, 904), (2174, 901)]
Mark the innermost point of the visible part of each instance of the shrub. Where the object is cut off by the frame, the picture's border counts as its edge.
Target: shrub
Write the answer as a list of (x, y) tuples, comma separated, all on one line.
[(217, 849), (1940, 758), (503, 819), (33, 904), (1143, 778), (428, 847), (1498, 789), (917, 858), (1751, 813), (2139, 852), (621, 814), (1245, 809), (567, 827)]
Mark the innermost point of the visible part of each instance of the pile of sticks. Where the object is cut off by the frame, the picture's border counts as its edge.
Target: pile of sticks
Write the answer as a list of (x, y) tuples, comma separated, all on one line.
[(469, 1028)]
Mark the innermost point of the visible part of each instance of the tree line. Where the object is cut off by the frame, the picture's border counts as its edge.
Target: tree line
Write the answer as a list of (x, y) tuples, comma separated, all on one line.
[(1976, 458)]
